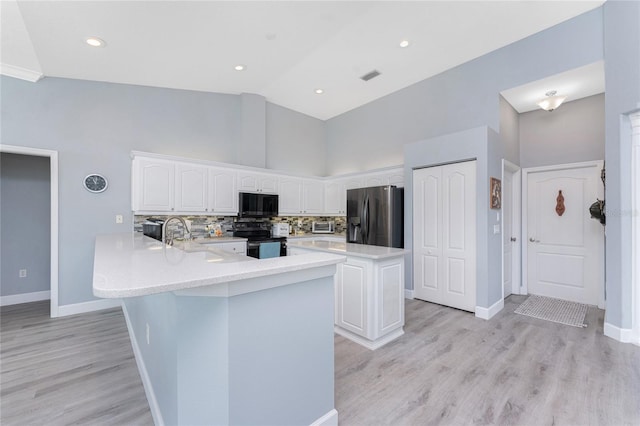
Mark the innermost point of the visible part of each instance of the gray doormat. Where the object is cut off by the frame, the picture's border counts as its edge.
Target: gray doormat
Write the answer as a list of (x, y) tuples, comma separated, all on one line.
[(556, 310)]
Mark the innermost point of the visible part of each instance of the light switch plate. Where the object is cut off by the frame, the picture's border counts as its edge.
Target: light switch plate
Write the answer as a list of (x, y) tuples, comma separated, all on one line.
[(496, 229)]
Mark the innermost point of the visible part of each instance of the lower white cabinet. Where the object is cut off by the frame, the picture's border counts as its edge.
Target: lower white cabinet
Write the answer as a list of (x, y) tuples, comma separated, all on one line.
[(369, 296), (236, 247)]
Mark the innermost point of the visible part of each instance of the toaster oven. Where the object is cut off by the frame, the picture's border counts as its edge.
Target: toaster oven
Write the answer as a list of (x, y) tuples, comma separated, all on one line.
[(323, 227)]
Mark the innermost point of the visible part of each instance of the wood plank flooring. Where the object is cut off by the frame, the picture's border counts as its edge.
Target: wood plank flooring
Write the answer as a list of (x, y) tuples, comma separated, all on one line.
[(449, 368)]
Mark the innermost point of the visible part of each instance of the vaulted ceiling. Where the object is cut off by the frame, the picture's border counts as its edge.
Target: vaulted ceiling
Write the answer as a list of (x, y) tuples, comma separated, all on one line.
[(289, 48)]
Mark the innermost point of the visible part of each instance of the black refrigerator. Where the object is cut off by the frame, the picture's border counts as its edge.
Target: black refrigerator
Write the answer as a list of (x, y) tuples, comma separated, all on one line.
[(375, 216)]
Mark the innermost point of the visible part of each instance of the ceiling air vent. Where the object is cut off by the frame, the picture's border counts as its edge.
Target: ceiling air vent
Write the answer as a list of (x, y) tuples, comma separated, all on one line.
[(368, 76)]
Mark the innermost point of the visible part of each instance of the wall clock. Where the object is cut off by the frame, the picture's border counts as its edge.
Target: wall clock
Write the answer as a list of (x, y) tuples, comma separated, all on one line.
[(95, 183)]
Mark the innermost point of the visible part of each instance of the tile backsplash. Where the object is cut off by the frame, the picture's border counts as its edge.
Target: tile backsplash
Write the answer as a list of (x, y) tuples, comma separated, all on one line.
[(199, 224)]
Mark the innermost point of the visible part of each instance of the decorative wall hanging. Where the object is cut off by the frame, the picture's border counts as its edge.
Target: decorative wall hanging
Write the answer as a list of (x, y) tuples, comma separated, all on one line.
[(560, 204), (496, 194)]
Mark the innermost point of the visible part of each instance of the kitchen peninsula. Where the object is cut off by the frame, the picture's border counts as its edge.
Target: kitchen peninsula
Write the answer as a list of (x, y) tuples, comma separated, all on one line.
[(369, 289), (221, 338)]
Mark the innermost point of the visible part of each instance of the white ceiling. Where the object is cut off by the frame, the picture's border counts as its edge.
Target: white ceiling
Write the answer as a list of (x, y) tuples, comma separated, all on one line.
[(290, 48)]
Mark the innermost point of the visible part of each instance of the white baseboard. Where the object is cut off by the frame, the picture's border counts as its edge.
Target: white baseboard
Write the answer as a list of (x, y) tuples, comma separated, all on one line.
[(16, 299), (488, 313), (154, 407), (329, 419), (624, 335), (408, 294), (94, 305), (372, 345)]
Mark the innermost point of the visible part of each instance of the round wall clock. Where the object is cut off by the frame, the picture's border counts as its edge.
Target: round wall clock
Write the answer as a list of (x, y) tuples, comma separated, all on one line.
[(95, 183)]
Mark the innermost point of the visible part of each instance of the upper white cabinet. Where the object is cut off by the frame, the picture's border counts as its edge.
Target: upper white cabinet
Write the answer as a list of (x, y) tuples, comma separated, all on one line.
[(223, 195), (160, 186), (335, 197), (153, 185), (257, 182), (191, 188), (300, 196)]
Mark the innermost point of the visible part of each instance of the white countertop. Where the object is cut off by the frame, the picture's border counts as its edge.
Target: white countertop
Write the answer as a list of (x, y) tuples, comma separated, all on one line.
[(129, 265), (349, 249)]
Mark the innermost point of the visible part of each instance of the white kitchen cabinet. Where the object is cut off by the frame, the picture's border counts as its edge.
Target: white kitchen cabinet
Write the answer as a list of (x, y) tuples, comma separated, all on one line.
[(370, 300), (177, 187), (289, 196), (396, 178), (223, 195), (257, 182), (300, 196), (335, 198), (153, 185), (236, 247), (191, 188), (312, 197), (375, 180)]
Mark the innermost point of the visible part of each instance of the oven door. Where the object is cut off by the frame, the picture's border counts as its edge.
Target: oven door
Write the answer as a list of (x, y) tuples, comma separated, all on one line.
[(253, 248)]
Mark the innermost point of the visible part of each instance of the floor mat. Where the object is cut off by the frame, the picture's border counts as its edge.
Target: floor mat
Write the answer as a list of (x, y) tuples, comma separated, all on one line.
[(556, 310)]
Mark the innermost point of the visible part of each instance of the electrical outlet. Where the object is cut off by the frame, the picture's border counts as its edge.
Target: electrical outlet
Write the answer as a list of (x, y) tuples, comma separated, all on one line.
[(22, 273), (148, 332), (119, 218)]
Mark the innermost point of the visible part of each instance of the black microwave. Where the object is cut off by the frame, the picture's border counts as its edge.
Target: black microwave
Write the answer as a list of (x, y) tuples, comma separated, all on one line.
[(258, 205)]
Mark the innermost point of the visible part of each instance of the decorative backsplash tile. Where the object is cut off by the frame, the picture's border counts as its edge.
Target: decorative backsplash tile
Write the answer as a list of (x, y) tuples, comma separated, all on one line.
[(199, 224)]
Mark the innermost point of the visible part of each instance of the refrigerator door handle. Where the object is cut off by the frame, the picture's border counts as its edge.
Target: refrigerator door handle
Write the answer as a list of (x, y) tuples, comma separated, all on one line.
[(365, 217)]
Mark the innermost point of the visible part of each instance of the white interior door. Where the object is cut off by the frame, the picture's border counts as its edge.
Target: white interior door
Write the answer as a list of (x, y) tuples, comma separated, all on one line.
[(565, 249), (511, 220), (444, 257), (507, 233)]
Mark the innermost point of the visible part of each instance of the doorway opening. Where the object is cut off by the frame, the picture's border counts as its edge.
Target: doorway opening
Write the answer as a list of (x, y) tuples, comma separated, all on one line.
[(53, 216), (511, 228)]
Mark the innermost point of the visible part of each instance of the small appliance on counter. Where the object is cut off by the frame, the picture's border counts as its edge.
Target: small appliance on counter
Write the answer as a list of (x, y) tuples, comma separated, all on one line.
[(323, 227), (280, 229), (153, 228)]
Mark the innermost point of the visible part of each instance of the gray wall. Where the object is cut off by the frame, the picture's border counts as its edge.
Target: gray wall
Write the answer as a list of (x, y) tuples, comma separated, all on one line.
[(510, 131), (293, 139), (622, 83), (94, 126), (483, 145), (458, 99), (572, 133), (25, 223)]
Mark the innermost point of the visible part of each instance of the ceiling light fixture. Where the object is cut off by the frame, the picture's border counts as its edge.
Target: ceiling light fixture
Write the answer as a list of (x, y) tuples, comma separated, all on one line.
[(95, 42), (239, 67), (552, 101), (319, 91), (404, 43)]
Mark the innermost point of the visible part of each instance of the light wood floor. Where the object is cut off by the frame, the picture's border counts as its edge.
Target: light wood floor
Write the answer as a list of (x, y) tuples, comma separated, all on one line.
[(449, 368)]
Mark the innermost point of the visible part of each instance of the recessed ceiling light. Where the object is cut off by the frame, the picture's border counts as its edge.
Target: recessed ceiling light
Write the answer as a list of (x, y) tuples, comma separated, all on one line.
[(319, 91), (404, 43), (95, 42), (239, 67)]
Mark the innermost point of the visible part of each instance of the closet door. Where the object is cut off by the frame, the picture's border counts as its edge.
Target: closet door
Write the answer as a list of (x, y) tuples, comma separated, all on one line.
[(444, 212)]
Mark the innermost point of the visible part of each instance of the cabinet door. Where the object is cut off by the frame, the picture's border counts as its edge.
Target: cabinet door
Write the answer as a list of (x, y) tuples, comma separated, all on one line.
[(354, 183), (312, 197), (248, 182), (153, 185), (396, 178), (335, 196), (351, 296), (375, 180), (268, 184), (191, 188), (223, 196), (290, 196), (236, 248)]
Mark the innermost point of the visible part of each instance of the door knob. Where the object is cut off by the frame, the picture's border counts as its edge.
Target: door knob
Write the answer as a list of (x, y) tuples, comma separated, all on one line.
[(513, 239), (533, 240)]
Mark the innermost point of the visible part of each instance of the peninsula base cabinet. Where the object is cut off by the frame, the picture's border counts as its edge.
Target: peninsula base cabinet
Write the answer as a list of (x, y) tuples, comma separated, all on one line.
[(369, 297)]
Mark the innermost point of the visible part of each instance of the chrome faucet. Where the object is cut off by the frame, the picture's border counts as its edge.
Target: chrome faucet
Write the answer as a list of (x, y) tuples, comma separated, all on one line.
[(164, 229)]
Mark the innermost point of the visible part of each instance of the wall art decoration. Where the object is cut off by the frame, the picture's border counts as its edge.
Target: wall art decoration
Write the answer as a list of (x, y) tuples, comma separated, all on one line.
[(496, 194), (560, 203)]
